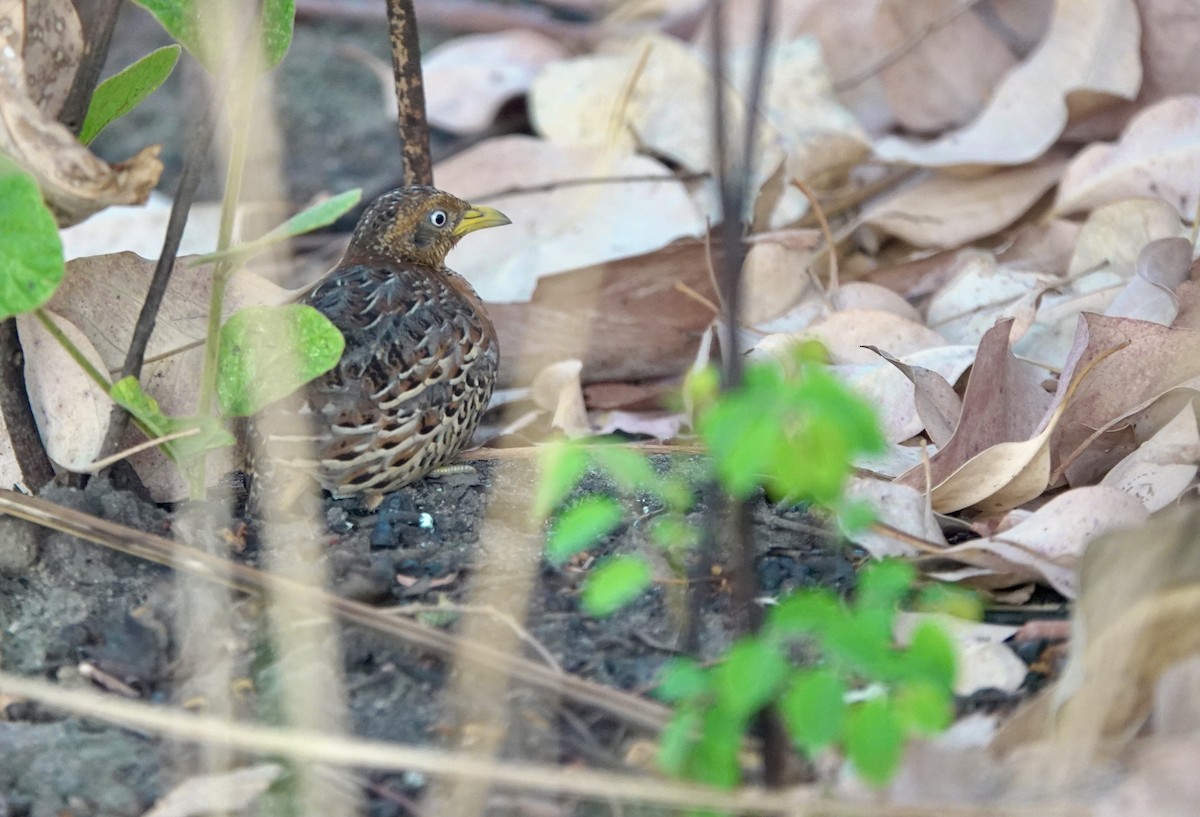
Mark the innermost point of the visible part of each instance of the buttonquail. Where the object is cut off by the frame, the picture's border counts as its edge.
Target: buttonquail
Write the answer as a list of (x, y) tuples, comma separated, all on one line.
[(421, 354)]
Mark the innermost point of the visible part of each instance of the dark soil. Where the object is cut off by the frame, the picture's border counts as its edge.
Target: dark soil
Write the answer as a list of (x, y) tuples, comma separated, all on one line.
[(67, 605)]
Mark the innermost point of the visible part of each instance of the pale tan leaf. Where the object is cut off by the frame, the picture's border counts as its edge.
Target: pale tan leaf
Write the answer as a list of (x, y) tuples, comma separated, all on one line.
[(981, 293), (1089, 55), (230, 791), (775, 278), (899, 506), (557, 389), (73, 180), (947, 79), (845, 333), (566, 227), (864, 295), (1150, 294), (1162, 468), (1157, 155), (943, 210), (984, 661), (71, 411), (468, 79), (1114, 235), (1046, 545), (937, 404)]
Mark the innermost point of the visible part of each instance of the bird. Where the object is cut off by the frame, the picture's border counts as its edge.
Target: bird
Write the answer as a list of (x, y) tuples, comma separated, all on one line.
[(421, 354)]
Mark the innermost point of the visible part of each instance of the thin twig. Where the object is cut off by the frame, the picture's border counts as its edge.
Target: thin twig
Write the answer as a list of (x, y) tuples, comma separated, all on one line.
[(98, 19), (830, 244), (410, 93), (35, 466), (100, 465)]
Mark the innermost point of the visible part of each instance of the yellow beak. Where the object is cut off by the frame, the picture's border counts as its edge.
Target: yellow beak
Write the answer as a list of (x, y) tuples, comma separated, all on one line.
[(478, 218)]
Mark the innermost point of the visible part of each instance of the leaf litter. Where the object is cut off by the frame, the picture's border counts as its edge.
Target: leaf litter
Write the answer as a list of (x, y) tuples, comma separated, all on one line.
[(1030, 331)]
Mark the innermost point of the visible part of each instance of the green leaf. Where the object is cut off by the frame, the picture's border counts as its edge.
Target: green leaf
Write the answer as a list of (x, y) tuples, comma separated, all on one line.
[(882, 584), (805, 612), (121, 93), (267, 352), (581, 526), (683, 679), (814, 708), (923, 708), (31, 255), (672, 532), (874, 740), (128, 394), (930, 655), (714, 758), (613, 583), (678, 739), (319, 215), (182, 20), (560, 466), (952, 601), (855, 516), (628, 468), (747, 679)]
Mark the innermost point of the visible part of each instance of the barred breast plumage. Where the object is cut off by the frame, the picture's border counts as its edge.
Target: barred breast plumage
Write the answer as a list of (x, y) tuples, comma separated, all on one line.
[(421, 354)]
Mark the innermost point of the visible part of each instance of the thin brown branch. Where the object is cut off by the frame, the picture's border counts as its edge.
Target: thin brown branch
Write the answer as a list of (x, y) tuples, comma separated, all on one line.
[(36, 470), (410, 93), (98, 19)]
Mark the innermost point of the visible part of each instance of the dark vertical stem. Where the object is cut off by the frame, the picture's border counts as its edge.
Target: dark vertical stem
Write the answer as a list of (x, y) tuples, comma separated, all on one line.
[(202, 126), (35, 466), (98, 18), (410, 93), (736, 183)]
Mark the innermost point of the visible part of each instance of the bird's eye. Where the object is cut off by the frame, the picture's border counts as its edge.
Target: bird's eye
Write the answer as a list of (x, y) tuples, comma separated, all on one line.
[(438, 218)]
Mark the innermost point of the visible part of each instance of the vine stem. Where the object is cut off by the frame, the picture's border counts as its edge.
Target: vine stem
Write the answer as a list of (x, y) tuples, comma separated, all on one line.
[(66, 343)]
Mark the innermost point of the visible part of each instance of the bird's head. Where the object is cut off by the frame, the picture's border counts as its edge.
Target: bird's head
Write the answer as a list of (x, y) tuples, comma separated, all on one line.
[(419, 225)]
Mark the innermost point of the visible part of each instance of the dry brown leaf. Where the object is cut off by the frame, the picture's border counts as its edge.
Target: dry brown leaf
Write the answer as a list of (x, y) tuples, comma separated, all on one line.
[(1005, 409), (468, 79), (1089, 55), (96, 296), (1157, 155), (565, 227), (942, 210), (630, 319), (71, 411), (865, 295), (1150, 295), (10, 469), (52, 46), (74, 182), (894, 396), (1150, 361), (1163, 467), (946, 80), (1136, 616), (1046, 545)]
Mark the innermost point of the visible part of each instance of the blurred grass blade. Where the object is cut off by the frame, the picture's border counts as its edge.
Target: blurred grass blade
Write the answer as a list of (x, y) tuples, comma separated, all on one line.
[(320, 214), (181, 19)]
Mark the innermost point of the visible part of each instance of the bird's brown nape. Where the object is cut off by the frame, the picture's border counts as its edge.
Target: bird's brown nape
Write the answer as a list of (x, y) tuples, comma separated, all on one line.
[(421, 355)]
